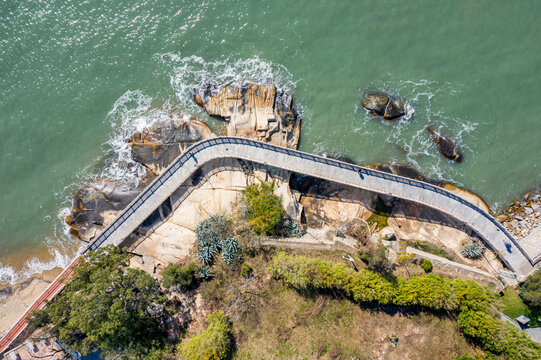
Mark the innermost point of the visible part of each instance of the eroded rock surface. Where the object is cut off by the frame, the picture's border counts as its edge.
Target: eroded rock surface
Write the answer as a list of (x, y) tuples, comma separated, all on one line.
[(257, 111), (97, 203), (158, 145)]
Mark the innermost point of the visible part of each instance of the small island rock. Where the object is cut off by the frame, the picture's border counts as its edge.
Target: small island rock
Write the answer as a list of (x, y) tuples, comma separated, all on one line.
[(383, 105), (446, 146), (257, 111)]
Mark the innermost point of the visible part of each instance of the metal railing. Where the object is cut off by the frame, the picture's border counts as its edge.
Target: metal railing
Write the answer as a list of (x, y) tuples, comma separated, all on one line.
[(194, 149)]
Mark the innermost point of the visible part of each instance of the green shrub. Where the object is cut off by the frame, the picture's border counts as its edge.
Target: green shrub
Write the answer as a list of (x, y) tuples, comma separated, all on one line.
[(472, 250), (427, 266), (473, 303), (377, 259), (530, 291), (174, 274), (246, 270), (214, 343), (430, 291), (264, 210)]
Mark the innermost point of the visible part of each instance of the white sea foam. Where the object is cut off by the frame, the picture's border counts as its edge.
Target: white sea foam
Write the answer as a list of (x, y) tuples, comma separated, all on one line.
[(8, 275)]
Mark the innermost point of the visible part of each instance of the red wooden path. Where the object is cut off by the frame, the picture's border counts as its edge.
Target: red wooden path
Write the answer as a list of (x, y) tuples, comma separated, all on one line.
[(40, 302)]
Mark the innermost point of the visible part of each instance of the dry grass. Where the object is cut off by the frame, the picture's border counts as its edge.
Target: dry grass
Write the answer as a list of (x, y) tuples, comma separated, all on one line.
[(274, 322)]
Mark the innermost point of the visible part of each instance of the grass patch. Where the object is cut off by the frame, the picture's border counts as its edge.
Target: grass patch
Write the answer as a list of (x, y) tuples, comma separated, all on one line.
[(513, 306), (423, 246), (380, 215)]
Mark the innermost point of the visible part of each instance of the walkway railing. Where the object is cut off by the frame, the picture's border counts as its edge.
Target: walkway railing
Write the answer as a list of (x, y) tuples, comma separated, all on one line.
[(194, 149)]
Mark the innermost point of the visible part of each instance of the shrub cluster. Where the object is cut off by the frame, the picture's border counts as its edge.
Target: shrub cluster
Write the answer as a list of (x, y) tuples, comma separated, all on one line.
[(474, 304), (264, 210), (174, 274), (214, 343), (530, 292), (427, 266), (212, 237)]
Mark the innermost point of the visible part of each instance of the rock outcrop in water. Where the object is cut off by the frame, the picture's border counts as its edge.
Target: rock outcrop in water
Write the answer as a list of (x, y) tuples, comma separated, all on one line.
[(97, 203), (446, 146), (257, 111), (158, 145), (384, 105)]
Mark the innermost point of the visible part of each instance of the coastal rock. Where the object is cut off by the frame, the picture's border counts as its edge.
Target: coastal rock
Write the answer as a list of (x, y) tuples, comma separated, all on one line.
[(446, 146), (158, 145), (97, 203), (256, 111), (384, 105)]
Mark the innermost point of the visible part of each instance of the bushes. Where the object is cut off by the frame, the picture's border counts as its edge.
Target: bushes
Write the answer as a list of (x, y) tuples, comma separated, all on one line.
[(427, 266), (263, 209), (530, 292), (173, 274), (246, 270), (472, 250), (377, 259), (212, 237), (214, 343), (473, 303)]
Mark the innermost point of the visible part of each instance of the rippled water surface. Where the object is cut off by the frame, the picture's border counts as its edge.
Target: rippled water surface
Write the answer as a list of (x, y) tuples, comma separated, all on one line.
[(77, 77)]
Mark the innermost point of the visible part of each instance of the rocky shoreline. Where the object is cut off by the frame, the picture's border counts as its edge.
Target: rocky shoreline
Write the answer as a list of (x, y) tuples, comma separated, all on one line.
[(523, 215)]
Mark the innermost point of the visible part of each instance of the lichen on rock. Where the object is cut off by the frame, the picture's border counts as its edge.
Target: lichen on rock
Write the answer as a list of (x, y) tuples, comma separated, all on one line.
[(257, 111)]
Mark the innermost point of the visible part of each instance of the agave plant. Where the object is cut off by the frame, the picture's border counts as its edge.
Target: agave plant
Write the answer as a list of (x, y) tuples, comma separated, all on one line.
[(212, 230), (293, 229), (205, 272), (231, 251), (472, 250), (206, 254)]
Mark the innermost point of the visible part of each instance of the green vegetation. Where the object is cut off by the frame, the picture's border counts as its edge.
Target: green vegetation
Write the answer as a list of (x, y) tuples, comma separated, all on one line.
[(513, 306), (530, 291), (473, 304), (205, 272), (214, 343), (174, 274), (427, 266), (246, 270), (376, 259), (231, 251), (380, 215), (263, 209), (472, 250), (105, 306), (423, 246), (209, 234)]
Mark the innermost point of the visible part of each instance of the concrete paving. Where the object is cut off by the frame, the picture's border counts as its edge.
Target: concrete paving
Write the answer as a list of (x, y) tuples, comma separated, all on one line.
[(495, 236)]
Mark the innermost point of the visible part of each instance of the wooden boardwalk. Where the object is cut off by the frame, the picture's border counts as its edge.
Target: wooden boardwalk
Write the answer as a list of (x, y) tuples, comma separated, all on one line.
[(53, 289), (493, 233)]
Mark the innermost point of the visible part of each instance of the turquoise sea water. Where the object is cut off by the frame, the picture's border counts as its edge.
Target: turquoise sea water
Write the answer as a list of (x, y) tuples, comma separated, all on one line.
[(77, 77)]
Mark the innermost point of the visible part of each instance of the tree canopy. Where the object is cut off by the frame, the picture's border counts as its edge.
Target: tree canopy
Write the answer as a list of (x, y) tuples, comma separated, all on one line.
[(530, 291), (105, 306), (264, 209)]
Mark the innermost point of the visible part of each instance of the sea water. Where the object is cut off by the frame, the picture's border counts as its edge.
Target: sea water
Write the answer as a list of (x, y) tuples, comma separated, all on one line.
[(78, 77)]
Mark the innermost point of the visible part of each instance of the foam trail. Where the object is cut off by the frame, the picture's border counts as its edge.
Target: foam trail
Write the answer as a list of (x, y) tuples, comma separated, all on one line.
[(8, 275)]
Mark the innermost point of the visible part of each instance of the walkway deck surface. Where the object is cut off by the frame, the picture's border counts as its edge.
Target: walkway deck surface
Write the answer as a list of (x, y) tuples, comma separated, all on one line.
[(494, 234)]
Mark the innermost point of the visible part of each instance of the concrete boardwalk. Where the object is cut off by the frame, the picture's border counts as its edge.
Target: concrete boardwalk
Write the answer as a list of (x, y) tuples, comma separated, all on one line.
[(493, 233)]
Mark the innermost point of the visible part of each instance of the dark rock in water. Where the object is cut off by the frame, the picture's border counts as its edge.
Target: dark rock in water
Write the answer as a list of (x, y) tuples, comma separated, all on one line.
[(97, 203), (446, 146), (158, 145), (383, 105)]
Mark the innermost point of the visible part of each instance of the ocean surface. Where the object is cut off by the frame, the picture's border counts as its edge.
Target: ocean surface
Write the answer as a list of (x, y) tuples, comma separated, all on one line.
[(78, 77)]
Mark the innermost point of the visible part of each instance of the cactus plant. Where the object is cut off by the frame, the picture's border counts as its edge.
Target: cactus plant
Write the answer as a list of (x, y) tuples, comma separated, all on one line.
[(472, 250), (205, 272), (206, 254), (231, 251)]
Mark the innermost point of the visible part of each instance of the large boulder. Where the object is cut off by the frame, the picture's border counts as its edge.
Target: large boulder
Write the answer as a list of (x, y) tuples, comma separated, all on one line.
[(97, 203), (384, 105), (158, 145), (256, 111), (446, 146)]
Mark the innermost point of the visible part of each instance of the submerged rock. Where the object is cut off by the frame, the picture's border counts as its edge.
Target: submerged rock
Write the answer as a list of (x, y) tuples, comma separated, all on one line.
[(446, 146), (383, 105), (258, 111), (158, 145)]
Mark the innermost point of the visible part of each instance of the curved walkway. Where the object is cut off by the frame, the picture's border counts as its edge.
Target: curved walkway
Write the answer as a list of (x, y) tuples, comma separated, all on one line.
[(494, 234)]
